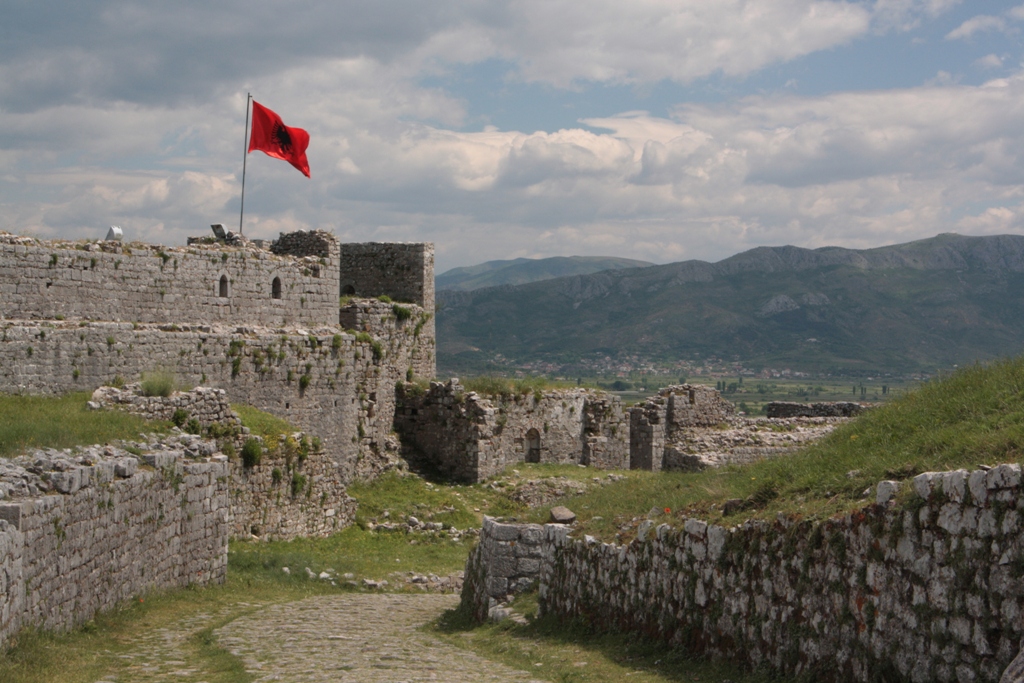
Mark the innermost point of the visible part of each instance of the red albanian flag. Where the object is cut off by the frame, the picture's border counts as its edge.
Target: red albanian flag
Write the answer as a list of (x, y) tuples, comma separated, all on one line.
[(273, 138)]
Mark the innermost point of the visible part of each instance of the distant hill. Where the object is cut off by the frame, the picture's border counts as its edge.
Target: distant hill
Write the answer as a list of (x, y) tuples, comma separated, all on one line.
[(523, 270), (908, 307)]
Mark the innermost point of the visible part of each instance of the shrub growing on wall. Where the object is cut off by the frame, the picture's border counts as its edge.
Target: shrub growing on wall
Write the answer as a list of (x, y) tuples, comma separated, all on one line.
[(252, 452), (158, 383)]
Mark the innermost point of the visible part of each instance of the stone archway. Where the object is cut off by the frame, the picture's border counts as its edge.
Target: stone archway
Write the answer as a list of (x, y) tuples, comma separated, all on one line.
[(533, 446)]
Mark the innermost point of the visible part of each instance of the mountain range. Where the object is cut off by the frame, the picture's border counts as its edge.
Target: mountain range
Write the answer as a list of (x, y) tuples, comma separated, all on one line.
[(919, 306), (523, 270)]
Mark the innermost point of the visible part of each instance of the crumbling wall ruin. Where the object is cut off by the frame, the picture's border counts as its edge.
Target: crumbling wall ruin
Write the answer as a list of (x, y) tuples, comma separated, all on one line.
[(468, 437), (293, 490), (656, 422)]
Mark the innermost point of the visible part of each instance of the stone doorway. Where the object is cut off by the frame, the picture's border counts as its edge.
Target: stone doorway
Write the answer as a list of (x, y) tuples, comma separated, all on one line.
[(533, 446)]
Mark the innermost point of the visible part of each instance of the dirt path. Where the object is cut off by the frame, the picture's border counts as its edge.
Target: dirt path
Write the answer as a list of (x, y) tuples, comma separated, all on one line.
[(354, 638)]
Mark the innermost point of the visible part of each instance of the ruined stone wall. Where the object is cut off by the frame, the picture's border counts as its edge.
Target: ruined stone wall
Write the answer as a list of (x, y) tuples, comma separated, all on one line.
[(931, 589), (329, 383), (404, 272), (116, 529), (151, 284), (656, 422), (605, 433), (468, 437), (295, 491)]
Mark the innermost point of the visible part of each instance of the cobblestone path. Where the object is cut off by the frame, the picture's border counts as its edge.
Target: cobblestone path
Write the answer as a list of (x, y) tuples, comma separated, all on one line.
[(356, 639), (162, 654)]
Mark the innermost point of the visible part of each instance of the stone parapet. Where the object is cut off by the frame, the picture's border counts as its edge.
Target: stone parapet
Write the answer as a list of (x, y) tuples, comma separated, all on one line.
[(144, 283), (205, 405)]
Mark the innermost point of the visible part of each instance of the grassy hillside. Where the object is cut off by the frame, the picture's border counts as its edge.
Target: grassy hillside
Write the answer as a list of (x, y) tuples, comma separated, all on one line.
[(923, 306), (522, 270), (973, 417)]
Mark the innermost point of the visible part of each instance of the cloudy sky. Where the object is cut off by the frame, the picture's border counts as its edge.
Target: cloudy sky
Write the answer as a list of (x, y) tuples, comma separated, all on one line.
[(652, 129)]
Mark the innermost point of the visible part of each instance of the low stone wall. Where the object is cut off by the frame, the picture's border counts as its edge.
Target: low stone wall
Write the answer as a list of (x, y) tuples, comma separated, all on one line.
[(778, 409), (742, 440), (112, 527), (468, 437), (206, 405), (930, 590)]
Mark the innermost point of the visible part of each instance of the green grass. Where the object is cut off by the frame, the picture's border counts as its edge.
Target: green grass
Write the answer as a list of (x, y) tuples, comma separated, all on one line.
[(158, 383), (63, 422), (362, 553), (263, 424), (493, 385)]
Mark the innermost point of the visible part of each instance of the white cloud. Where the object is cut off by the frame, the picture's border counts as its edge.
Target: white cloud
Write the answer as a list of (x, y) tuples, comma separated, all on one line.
[(989, 61), (979, 24), (905, 15), (119, 128)]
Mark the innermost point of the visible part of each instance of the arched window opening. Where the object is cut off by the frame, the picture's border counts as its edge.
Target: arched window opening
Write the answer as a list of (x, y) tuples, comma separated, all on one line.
[(275, 288), (224, 286), (533, 446), (348, 290)]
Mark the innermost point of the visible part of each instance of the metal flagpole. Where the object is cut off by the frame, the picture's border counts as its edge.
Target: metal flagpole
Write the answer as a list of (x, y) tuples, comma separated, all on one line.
[(245, 156)]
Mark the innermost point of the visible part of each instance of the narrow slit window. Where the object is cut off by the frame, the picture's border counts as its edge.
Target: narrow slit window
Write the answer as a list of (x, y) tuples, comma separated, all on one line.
[(275, 288), (224, 286)]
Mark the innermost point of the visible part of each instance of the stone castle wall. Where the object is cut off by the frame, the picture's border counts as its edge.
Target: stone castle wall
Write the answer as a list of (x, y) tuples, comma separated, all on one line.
[(135, 282), (112, 529), (928, 590), (334, 385), (207, 406), (468, 437), (383, 319), (402, 271)]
